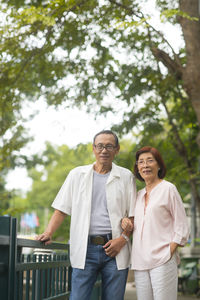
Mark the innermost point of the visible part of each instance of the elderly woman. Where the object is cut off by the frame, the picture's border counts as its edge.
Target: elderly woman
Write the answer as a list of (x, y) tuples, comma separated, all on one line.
[(160, 226)]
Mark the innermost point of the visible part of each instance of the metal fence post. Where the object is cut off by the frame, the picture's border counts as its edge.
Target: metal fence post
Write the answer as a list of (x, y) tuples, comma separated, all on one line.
[(7, 257), (70, 278), (12, 259)]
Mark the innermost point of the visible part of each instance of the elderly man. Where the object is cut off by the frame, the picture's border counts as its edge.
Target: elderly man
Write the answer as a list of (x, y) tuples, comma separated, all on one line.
[(97, 197)]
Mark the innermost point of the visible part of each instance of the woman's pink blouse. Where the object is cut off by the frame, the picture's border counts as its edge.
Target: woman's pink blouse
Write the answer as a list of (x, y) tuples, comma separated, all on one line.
[(164, 221)]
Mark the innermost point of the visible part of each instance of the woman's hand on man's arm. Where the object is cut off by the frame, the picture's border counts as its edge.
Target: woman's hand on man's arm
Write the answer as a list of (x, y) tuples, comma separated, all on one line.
[(127, 225)]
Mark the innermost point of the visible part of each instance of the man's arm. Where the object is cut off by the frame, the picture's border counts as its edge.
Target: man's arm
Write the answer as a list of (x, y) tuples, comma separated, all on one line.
[(55, 221), (113, 247)]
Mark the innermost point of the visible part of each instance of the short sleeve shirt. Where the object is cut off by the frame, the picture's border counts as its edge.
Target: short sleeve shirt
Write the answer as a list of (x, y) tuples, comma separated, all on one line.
[(75, 197)]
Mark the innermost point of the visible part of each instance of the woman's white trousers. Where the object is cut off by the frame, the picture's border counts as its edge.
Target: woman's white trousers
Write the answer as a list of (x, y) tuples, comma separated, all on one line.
[(159, 283)]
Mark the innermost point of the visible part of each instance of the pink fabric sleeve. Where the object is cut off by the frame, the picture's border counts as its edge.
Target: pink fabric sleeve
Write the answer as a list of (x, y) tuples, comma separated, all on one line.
[(180, 223)]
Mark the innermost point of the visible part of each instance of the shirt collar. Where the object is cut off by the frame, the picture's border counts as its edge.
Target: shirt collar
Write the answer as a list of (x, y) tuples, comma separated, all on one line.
[(114, 172)]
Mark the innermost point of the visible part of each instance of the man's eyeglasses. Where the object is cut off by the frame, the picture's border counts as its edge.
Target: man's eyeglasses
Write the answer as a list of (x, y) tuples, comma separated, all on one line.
[(108, 147), (147, 162)]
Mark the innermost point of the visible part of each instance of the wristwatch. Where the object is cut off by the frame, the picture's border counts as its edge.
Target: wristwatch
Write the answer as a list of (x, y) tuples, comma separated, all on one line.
[(125, 237)]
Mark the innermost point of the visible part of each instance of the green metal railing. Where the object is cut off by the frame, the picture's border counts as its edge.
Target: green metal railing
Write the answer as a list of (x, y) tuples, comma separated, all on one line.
[(44, 274)]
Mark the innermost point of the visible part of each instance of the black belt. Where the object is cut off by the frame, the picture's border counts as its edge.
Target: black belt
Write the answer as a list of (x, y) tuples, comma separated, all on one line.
[(99, 239)]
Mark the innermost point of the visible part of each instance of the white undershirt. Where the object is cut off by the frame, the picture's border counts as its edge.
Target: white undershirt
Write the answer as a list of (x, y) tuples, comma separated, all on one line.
[(99, 221)]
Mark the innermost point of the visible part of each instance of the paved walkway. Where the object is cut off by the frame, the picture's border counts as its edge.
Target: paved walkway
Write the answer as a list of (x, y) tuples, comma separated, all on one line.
[(131, 294)]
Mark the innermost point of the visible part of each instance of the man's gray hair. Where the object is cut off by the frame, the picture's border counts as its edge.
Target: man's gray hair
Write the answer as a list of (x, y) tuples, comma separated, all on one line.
[(107, 132)]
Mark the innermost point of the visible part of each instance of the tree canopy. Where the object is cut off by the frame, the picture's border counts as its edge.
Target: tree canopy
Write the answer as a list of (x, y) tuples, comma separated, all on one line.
[(102, 53)]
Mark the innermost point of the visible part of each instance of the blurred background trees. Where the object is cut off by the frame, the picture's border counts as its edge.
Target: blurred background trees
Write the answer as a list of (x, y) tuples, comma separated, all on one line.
[(111, 56)]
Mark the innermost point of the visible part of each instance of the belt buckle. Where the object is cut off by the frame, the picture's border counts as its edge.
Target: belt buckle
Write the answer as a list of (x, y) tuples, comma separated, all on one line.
[(98, 240)]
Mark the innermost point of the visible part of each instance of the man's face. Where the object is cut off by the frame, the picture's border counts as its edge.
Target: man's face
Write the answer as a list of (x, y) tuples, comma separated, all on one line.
[(106, 155)]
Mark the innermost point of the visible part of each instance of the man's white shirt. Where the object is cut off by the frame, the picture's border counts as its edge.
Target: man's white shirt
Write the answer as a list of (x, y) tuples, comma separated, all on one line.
[(75, 197)]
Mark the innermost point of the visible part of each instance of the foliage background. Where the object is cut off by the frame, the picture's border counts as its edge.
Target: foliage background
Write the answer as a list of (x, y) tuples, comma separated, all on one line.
[(108, 56)]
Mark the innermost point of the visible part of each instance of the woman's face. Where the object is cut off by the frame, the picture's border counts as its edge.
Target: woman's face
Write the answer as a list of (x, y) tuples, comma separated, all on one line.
[(147, 166)]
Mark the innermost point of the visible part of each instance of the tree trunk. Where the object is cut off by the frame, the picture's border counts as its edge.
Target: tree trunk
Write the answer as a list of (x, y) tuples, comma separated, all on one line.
[(190, 72), (194, 191), (191, 33)]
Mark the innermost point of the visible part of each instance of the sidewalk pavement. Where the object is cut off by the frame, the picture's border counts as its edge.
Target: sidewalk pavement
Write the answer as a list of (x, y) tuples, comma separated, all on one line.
[(131, 294)]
